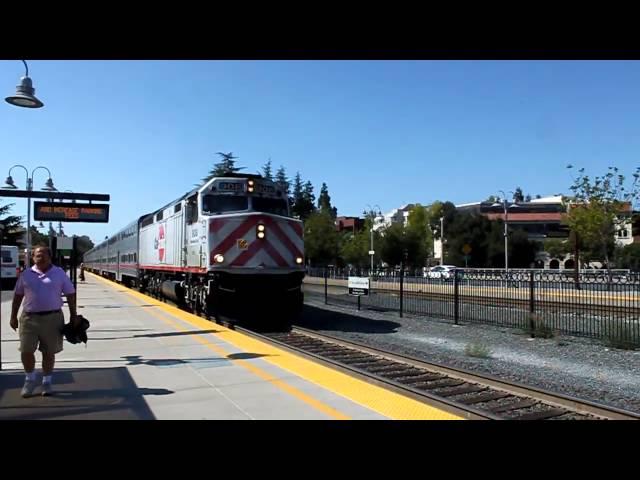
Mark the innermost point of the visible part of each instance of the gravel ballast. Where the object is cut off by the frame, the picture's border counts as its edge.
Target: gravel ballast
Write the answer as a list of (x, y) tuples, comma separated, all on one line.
[(578, 367)]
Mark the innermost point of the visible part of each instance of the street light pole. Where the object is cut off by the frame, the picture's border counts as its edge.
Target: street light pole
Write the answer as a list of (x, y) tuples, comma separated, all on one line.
[(506, 207), (373, 217), (506, 235), (441, 240), (48, 187)]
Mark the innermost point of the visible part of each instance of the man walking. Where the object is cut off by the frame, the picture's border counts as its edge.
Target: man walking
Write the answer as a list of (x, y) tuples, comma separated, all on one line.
[(42, 320)]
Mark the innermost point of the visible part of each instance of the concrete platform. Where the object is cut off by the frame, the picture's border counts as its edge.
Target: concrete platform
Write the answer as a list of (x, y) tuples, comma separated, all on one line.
[(149, 360)]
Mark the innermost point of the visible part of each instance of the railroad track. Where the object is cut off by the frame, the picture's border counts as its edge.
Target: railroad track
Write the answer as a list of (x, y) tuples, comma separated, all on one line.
[(460, 392)]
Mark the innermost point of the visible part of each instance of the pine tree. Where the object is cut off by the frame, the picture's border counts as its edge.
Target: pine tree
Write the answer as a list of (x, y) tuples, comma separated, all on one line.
[(12, 232), (224, 167), (518, 196), (281, 179), (297, 196), (324, 202), (266, 170)]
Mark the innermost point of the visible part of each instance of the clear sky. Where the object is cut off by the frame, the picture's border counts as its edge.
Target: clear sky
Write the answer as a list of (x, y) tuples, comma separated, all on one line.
[(377, 132)]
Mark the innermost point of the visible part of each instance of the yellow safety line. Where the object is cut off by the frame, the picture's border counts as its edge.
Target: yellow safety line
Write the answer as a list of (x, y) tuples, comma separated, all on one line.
[(387, 403)]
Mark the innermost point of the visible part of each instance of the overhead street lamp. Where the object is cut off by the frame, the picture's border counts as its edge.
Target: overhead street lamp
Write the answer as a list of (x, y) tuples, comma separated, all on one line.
[(372, 212), (25, 93), (9, 183), (506, 206)]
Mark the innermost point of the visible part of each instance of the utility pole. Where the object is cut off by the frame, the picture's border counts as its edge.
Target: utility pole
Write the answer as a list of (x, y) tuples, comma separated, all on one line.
[(441, 240)]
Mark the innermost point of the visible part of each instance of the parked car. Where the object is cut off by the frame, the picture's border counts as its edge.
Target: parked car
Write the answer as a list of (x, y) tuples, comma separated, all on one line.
[(442, 272)]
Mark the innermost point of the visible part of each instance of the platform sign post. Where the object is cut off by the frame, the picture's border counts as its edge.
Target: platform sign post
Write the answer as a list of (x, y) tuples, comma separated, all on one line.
[(358, 286)]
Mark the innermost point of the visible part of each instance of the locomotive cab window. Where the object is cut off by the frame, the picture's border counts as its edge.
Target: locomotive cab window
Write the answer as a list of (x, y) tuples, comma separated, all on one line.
[(276, 206), (212, 204)]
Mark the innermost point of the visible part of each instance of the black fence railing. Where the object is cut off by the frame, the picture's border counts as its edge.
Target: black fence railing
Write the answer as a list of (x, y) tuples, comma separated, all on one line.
[(593, 304)]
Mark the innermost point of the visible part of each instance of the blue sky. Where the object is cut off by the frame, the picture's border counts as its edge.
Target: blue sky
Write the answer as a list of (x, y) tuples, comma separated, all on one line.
[(377, 132)]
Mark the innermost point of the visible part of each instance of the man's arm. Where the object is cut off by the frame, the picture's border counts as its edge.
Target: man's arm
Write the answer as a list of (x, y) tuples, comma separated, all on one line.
[(71, 301), (15, 306)]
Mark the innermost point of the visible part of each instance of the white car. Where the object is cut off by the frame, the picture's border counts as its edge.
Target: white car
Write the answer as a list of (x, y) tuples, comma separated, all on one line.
[(442, 272)]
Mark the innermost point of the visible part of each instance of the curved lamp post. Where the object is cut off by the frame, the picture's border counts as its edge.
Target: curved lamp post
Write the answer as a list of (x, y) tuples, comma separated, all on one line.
[(373, 217), (25, 93), (506, 206), (9, 183)]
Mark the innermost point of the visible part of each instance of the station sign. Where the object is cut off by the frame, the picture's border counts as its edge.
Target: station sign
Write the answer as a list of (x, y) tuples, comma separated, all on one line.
[(358, 286), (71, 212)]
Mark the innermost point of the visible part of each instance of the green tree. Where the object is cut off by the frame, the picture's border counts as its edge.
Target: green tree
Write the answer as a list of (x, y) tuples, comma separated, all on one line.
[(321, 239), (12, 232), (281, 179), (324, 202), (518, 196), (393, 244), (266, 170), (226, 166), (354, 247), (419, 230), (83, 245), (557, 248), (629, 257), (303, 198), (522, 251), (594, 212)]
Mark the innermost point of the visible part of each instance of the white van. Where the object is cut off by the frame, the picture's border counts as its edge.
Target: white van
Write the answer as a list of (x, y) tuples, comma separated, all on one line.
[(9, 265)]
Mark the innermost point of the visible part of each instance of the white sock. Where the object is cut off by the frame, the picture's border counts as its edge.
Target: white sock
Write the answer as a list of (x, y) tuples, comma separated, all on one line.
[(31, 376), (46, 379)]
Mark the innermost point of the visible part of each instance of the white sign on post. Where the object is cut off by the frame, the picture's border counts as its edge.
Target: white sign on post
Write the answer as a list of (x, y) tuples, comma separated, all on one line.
[(358, 286)]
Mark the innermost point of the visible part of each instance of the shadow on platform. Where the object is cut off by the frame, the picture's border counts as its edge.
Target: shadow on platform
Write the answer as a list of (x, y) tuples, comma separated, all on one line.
[(79, 394)]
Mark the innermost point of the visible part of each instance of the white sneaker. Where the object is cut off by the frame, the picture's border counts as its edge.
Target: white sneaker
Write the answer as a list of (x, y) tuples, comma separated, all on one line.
[(46, 389), (29, 387)]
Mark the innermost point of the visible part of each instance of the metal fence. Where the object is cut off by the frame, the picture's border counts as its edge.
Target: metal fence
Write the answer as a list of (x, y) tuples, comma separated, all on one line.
[(540, 301)]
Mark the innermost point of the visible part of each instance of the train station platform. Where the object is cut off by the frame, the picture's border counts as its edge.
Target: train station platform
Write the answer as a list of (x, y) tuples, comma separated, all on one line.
[(146, 359)]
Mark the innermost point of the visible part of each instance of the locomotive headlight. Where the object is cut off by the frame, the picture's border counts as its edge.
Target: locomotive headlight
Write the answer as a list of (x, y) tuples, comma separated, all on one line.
[(261, 228), (219, 258), (250, 186), (260, 234), (299, 260)]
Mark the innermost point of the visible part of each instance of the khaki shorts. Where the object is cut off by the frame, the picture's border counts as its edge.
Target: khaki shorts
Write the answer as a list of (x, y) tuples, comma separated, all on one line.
[(42, 332)]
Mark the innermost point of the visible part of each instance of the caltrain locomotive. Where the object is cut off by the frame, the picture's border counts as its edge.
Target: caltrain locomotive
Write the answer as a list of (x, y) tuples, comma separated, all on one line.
[(228, 244)]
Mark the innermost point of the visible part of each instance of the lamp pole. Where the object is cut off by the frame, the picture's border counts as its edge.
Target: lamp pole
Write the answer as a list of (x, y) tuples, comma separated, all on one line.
[(506, 206), (48, 187), (441, 240), (372, 213)]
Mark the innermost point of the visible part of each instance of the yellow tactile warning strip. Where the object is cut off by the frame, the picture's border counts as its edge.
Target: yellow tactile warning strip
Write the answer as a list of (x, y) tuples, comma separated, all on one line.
[(390, 404)]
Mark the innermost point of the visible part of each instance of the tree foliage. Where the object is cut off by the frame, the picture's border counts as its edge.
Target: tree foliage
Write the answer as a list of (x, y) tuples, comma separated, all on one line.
[(321, 239), (324, 202), (12, 232), (595, 212), (225, 166), (266, 170)]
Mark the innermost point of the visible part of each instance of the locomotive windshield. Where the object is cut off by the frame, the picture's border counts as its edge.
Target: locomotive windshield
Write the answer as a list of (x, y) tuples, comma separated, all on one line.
[(277, 206), (223, 203)]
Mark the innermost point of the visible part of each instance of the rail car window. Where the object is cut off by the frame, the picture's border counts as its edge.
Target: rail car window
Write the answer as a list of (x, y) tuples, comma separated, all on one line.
[(177, 208), (223, 203), (277, 206)]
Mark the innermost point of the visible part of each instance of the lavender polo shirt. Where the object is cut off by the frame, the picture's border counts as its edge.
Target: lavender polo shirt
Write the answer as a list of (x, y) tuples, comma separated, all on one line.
[(43, 291)]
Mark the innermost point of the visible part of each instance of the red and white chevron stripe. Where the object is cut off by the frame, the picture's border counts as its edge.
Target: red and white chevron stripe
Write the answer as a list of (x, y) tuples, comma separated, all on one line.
[(235, 238)]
